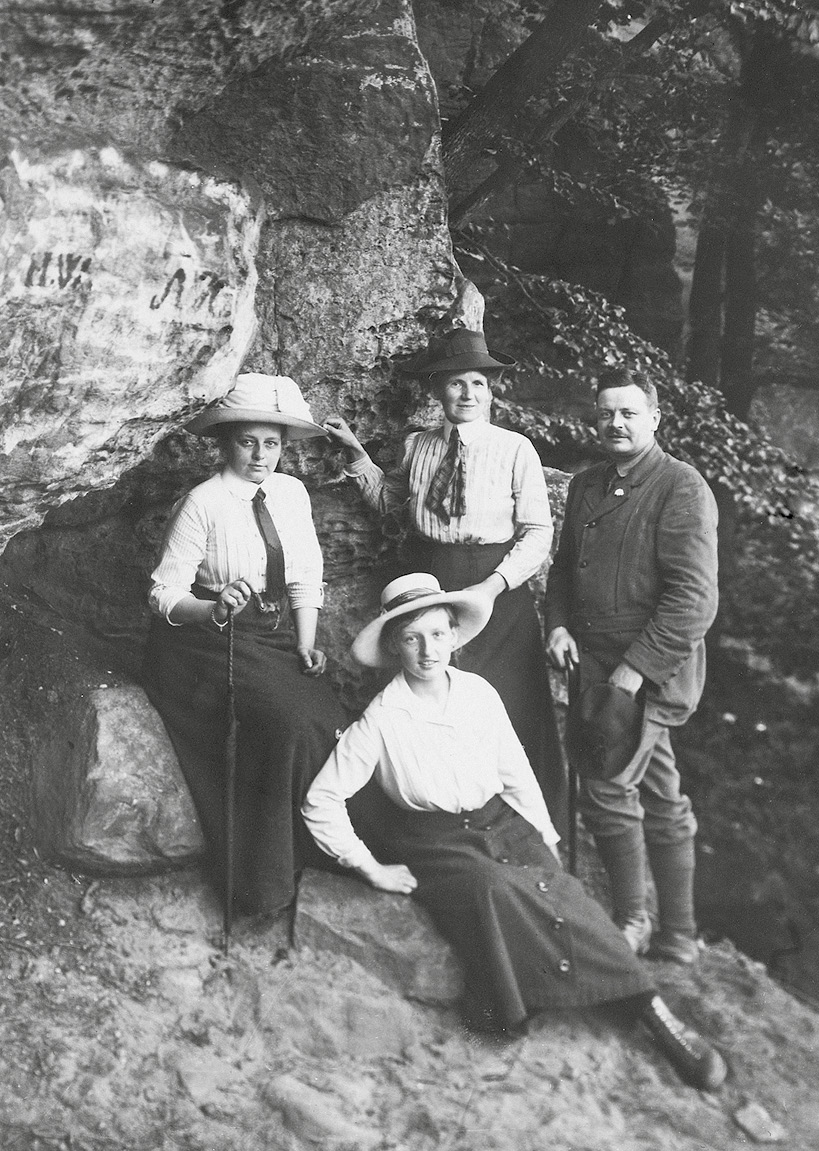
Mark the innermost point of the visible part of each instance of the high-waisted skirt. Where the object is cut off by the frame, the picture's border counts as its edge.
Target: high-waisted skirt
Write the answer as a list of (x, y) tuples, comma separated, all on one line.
[(528, 936), (287, 726), (509, 653)]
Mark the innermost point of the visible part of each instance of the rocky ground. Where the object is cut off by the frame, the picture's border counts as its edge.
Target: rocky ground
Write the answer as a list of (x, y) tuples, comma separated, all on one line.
[(124, 1026)]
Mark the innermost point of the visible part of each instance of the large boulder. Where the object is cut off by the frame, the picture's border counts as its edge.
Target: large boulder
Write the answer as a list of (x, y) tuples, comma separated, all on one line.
[(110, 795)]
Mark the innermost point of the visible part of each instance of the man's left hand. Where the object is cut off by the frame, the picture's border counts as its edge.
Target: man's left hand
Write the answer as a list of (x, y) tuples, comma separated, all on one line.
[(625, 677)]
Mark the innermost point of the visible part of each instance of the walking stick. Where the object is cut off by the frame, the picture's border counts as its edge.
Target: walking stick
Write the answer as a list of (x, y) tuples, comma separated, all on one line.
[(230, 791), (570, 776), (571, 802)]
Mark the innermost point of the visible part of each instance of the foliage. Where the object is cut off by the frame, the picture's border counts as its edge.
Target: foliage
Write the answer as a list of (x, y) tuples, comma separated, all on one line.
[(565, 331)]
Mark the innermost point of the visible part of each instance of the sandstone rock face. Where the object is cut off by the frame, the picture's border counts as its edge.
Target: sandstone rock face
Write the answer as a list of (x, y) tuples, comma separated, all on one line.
[(110, 796), (126, 296)]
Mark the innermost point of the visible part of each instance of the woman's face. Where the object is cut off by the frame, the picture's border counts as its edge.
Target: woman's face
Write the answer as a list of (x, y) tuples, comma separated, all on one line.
[(252, 451), (425, 645), (464, 396)]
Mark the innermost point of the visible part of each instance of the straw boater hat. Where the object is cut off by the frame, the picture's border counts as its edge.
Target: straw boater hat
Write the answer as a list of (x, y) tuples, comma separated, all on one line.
[(460, 350), (259, 399), (410, 593)]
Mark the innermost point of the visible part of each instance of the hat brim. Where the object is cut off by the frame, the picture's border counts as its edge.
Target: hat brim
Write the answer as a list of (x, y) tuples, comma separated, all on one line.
[(605, 727), (473, 610), (206, 423), (465, 362)]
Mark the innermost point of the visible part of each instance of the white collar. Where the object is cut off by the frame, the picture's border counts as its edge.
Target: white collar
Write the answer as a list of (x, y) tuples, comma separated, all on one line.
[(468, 432), (399, 694), (243, 489)]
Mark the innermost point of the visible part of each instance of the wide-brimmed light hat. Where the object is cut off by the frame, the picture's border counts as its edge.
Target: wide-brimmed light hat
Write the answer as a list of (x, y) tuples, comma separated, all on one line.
[(410, 593), (256, 398), (460, 350)]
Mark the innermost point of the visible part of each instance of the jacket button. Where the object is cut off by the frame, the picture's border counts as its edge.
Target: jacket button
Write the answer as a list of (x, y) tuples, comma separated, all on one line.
[(504, 859), (465, 823), (542, 886), (564, 967), (583, 564), (558, 922), (591, 524)]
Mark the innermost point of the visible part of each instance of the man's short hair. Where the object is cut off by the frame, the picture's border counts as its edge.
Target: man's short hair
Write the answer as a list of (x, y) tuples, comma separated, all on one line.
[(622, 377)]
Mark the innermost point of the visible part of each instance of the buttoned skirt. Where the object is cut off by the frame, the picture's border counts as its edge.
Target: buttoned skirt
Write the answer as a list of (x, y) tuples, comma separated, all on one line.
[(287, 726), (526, 932)]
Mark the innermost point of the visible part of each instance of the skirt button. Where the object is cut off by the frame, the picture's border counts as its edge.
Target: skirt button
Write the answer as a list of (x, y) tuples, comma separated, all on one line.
[(564, 967)]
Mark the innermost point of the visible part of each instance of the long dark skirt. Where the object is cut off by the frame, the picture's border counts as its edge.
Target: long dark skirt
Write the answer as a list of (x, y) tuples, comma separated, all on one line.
[(509, 654), (287, 724), (526, 932)]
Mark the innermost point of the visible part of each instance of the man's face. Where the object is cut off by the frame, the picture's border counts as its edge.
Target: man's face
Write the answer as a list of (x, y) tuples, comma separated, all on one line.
[(626, 421)]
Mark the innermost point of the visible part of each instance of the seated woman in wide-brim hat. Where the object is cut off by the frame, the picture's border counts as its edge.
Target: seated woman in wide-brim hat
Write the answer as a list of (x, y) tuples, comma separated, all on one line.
[(478, 508), (467, 832), (244, 541)]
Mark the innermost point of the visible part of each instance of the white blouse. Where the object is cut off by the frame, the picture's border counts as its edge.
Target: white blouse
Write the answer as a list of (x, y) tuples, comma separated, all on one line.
[(425, 759), (213, 538), (506, 494)]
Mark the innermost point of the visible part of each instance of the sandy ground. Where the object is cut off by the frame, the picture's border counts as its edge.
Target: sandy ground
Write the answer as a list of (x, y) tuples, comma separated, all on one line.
[(127, 1028)]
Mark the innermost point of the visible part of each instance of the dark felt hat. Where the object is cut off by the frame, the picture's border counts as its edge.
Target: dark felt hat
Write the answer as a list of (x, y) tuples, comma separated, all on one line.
[(604, 729), (460, 350)]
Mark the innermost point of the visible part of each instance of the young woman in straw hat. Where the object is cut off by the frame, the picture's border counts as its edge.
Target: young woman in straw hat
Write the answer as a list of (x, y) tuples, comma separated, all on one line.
[(468, 833), (221, 554), (477, 504)]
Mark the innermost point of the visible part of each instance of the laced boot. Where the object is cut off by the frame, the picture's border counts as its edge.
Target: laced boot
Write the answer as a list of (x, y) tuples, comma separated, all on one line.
[(694, 1060)]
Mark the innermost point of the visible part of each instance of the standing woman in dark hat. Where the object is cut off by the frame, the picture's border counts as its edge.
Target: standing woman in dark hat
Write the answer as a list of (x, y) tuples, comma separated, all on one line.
[(478, 504), (245, 540)]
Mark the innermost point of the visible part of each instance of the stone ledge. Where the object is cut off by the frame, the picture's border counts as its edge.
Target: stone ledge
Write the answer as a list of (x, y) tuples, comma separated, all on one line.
[(389, 935)]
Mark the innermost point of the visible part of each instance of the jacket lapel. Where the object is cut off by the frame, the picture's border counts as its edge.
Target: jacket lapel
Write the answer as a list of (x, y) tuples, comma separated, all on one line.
[(596, 503)]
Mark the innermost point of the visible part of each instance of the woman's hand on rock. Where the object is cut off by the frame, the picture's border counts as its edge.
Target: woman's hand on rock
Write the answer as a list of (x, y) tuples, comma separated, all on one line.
[(234, 595), (340, 431), (395, 877), (313, 661)]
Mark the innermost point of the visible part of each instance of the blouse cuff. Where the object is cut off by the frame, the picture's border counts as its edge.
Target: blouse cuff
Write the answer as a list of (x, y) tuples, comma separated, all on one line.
[(305, 595), (163, 599), (358, 467)]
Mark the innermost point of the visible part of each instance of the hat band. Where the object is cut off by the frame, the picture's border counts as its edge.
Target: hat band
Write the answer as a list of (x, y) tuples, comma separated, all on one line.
[(408, 596)]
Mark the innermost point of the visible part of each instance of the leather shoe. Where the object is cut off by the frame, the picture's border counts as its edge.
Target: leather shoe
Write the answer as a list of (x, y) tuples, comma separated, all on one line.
[(636, 928), (674, 946), (694, 1060)]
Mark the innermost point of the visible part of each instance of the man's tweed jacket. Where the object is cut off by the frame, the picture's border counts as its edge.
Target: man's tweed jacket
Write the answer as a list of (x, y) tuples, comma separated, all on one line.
[(635, 578)]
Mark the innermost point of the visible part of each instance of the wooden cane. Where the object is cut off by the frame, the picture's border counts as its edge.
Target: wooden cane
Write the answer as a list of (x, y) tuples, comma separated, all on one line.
[(229, 791), (571, 798)]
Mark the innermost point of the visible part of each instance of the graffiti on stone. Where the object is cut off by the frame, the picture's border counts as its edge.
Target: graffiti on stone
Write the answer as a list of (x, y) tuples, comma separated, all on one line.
[(58, 270), (194, 291)]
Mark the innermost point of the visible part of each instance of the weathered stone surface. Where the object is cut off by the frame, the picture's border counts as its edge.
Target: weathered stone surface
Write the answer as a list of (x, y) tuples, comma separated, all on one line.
[(110, 795), (126, 299), (314, 1118), (390, 935)]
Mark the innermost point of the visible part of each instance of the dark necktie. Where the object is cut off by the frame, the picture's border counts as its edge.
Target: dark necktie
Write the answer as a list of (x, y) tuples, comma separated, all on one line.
[(275, 585), (447, 492)]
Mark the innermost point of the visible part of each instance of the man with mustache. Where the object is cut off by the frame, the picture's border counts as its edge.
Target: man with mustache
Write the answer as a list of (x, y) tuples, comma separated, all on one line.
[(630, 597)]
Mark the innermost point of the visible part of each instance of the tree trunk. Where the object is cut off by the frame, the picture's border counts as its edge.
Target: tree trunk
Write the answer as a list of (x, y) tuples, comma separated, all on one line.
[(705, 302), (736, 373), (481, 125)]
